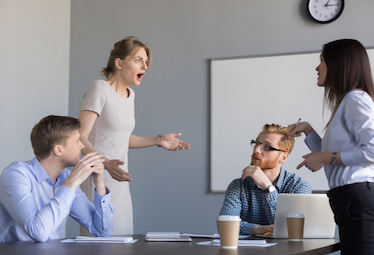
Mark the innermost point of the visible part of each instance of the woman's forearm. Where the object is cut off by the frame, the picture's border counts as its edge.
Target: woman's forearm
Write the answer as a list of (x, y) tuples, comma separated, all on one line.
[(137, 142)]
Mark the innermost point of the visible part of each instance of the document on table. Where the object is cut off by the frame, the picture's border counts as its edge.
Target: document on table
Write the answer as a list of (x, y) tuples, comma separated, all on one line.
[(167, 237), (257, 243), (112, 239)]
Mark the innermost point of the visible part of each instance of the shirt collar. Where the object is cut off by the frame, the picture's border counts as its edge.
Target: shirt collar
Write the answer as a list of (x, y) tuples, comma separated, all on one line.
[(38, 171), (279, 182)]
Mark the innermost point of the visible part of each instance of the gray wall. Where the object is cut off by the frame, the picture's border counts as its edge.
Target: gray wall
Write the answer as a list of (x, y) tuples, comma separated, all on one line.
[(170, 189)]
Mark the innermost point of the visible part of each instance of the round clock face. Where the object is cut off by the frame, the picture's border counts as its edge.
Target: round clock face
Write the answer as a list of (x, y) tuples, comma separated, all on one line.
[(325, 11)]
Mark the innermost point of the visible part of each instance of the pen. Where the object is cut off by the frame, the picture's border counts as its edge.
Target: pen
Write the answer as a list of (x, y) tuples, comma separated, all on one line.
[(296, 124)]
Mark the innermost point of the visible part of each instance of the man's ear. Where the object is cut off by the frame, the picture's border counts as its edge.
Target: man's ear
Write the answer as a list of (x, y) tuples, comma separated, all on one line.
[(57, 150), (283, 157)]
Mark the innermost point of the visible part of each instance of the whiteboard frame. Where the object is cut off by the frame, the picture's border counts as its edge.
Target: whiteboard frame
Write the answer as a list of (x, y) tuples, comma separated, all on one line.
[(233, 74)]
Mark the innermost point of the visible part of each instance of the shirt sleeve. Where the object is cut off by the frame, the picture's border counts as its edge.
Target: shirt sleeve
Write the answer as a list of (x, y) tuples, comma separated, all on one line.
[(19, 201), (358, 114), (313, 141), (270, 205), (97, 218), (232, 205), (95, 98)]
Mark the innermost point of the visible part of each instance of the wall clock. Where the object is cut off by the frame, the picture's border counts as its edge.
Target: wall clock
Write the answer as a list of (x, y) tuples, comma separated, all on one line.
[(325, 11)]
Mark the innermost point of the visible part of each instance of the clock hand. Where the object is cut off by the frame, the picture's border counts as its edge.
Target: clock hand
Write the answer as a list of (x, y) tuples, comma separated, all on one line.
[(327, 4)]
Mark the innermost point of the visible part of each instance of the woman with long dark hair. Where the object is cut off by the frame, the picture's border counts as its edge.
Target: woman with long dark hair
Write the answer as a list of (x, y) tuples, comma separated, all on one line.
[(347, 148)]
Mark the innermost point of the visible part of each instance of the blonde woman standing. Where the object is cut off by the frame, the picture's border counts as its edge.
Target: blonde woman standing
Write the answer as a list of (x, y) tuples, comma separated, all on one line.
[(108, 119)]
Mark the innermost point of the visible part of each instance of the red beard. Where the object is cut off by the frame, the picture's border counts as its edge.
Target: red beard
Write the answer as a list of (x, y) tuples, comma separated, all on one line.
[(257, 160)]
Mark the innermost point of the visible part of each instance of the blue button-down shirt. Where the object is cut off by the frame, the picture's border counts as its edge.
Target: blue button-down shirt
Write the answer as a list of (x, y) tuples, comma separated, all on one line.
[(245, 199), (33, 208)]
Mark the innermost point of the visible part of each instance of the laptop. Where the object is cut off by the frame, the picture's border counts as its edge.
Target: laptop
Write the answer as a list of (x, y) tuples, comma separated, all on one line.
[(319, 219)]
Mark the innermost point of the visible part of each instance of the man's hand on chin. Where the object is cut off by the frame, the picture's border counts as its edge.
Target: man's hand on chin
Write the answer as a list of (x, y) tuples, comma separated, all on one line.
[(258, 176)]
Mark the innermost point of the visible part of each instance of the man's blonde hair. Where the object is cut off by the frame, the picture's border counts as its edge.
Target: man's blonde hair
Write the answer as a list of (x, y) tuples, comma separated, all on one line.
[(286, 143)]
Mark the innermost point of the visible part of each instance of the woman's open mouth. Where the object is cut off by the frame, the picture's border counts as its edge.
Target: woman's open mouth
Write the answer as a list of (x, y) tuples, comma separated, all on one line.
[(140, 76)]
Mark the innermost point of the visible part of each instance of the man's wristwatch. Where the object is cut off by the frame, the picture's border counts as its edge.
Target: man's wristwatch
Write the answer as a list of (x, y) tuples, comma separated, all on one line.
[(269, 189), (334, 161)]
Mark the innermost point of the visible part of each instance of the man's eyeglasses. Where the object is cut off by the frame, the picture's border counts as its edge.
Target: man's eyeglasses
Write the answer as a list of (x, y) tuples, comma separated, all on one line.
[(264, 146)]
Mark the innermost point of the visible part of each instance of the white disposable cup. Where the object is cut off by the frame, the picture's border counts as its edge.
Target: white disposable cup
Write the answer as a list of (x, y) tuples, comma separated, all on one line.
[(295, 226), (229, 227)]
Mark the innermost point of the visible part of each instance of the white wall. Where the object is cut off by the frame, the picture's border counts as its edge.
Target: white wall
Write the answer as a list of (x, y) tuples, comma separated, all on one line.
[(34, 70)]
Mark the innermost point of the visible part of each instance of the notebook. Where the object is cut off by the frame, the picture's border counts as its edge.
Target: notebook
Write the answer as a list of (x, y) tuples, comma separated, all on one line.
[(112, 239), (166, 237), (319, 219)]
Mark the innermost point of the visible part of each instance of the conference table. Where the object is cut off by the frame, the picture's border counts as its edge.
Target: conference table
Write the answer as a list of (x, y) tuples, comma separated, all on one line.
[(56, 247)]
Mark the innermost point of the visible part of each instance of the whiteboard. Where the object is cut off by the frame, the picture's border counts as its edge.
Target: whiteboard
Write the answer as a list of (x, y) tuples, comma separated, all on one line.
[(246, 94)]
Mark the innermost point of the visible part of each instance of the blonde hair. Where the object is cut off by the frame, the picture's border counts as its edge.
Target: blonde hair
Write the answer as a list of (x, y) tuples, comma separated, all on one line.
[(128, 46), (286, 143)]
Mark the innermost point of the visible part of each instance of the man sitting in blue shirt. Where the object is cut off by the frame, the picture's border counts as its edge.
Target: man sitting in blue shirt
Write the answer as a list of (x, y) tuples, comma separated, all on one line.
[(254, 196), (37, 196)]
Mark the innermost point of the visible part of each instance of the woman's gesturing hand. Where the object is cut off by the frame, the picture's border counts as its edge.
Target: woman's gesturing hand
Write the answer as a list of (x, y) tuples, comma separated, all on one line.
[(172, 143), (117, 173), (316, 160)]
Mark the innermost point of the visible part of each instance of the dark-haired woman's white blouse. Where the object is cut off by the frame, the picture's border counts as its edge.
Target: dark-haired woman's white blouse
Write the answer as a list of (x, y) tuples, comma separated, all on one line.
[(351, 132)]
